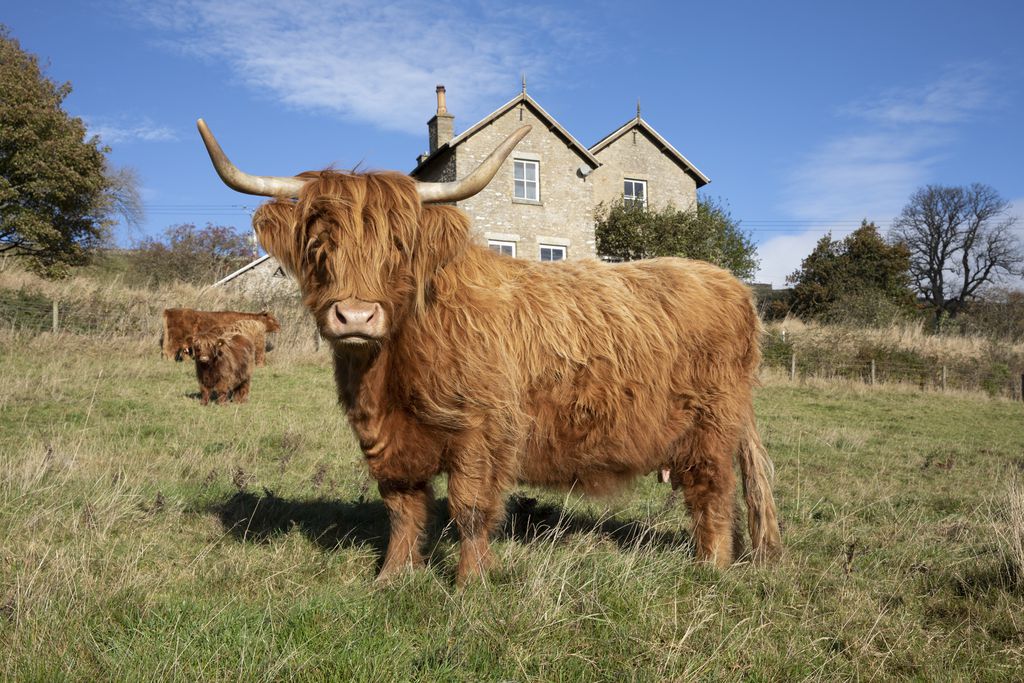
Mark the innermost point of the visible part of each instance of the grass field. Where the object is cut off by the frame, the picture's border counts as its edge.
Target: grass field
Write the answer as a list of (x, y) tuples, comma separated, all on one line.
[(147, 537)]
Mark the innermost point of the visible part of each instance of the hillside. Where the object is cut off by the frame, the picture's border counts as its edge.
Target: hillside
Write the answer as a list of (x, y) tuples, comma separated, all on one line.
[(148, 537)]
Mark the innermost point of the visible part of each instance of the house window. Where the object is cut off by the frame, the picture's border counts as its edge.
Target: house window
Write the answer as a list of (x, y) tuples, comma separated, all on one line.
[(550, 252), (526, 175), (634, 193), (502, 247)]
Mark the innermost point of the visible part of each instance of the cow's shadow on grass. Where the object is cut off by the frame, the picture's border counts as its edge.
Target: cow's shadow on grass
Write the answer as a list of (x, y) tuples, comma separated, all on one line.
[(197, 397), (331, 524)]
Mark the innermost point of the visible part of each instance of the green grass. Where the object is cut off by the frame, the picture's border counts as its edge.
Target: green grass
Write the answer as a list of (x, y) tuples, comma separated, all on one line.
[(146, 537)]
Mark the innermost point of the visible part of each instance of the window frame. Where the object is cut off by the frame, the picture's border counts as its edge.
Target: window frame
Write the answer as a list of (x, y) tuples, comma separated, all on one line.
[(559, 247), (501, 244), (535, 183), (633, 200)]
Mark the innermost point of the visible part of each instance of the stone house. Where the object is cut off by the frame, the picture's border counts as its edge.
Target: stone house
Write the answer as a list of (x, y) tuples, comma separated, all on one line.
[(541, 203), (263, 278)]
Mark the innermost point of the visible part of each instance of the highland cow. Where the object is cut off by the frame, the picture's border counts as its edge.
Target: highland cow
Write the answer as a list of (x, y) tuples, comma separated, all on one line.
[(253, 330), (450, 358), (181, 323), (223, 365)]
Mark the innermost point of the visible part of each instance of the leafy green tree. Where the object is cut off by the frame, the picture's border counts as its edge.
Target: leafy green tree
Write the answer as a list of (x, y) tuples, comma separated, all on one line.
[(631, 231), (58, 197), (197, 255), (861, 278)]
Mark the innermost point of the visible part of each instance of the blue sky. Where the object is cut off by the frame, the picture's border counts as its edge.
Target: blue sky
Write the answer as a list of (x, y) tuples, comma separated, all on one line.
[(807, 116)]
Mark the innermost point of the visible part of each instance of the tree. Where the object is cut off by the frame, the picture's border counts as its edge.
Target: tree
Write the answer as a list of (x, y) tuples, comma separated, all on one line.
[(860, 278), (58, 196), (199, 256), (960, 240), (631, 231)]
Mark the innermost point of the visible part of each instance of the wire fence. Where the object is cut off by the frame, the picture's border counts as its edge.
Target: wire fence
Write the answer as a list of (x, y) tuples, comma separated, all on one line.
[(993, 377), (29, 312), (26, 312)]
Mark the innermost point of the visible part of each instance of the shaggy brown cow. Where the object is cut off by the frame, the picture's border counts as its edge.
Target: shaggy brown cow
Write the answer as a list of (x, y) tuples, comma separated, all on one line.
[(223, 365), (255, 331), (181, 323), (452, 359)]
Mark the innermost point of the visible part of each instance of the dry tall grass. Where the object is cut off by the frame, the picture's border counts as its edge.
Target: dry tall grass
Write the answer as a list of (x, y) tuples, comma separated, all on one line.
[(1008, 522), (903, 352), (108, 308), (908, 337)]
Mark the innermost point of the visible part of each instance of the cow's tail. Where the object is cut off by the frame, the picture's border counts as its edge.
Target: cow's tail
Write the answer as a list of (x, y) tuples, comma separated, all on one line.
[(758, 472)]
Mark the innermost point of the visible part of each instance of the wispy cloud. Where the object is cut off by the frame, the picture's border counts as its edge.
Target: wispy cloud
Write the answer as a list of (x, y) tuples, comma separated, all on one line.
[(892, 147), (122, 131), (865, 174), (959, 93), (368, 61)]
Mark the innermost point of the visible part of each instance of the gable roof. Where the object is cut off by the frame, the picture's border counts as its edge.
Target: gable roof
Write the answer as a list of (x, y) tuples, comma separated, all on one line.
[(660, 142), (244, 269), (538, 111)]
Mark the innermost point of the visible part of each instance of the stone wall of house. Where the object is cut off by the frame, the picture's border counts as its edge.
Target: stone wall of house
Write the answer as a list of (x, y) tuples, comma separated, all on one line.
[(440, 170), (635, 155), (564, 214), (262, 282)]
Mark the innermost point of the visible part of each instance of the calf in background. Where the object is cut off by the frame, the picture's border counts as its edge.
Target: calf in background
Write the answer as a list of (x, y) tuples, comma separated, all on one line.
[(223, 365)]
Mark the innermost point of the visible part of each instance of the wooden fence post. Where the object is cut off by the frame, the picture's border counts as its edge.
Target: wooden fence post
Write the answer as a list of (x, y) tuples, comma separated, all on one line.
[(56, 318), (943, 377), (872, 372), (316, 337), (1022, 386), (792, 368)]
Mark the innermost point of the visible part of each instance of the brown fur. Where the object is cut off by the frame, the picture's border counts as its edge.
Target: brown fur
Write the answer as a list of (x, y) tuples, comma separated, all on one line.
[(181, 323), (498, 371), (223, 365), (253, 330)]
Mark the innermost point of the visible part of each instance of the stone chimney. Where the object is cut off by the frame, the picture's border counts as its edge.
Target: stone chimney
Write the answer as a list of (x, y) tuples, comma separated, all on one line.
[(441, 128)]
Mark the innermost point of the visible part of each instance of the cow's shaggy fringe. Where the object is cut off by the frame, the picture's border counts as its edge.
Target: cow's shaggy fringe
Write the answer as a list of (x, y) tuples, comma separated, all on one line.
[(497, 370)]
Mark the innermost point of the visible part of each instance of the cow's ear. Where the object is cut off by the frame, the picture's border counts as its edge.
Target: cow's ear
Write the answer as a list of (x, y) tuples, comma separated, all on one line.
[(277, 232), (443, 237)]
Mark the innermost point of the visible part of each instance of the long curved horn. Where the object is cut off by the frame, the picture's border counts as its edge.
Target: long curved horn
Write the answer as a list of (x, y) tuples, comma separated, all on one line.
[(475, 181), (263, 185)]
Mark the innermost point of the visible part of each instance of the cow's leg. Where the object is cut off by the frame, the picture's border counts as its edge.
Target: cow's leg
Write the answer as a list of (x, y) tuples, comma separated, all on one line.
[(242, 392), (261, 350), (703, 469), (408, 508), (205, 391), (476, 506)]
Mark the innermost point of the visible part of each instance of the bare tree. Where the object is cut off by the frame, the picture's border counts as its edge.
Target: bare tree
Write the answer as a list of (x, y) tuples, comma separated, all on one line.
[(960, 239)]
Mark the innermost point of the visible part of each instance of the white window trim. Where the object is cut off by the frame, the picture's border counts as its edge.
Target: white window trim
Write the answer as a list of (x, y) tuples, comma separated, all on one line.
[(503, 243), (502, 236), (557, 247), (536, 165), (633, 198), (551, 240)]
